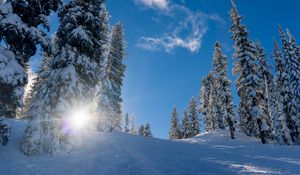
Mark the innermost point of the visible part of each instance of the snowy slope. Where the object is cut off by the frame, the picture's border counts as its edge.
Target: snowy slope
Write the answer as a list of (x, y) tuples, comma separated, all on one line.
[(123, 154)]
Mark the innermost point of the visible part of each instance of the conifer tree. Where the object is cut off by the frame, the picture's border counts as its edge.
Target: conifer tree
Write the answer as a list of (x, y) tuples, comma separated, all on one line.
[(103, 89), (287, 80), (218, 72), (294, 69), (281, 129), (206, 102), (186, 125), (267, 79), (248, 82), (70, 86), (174, 132), (126, 127), (113, 78), (223, 95), (147, 131), (132, 125), (194, 117), (142, 130)]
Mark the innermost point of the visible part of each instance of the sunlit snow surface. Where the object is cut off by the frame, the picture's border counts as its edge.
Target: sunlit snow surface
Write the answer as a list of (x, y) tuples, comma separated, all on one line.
[(123, 154)]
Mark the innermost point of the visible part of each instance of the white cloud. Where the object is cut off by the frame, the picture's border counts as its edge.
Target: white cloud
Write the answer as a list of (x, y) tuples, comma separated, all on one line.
[(156, 4), (186, 30)]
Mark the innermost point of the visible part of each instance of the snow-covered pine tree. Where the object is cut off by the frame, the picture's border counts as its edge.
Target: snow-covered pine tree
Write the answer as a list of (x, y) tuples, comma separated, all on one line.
[(147, 131), (104, 108), (223, 95), (219, 61), (248, 82), (290, 107), (278, 89), (127, 123), (132, 125), (267, 79), (19, 35), (41, 76), (174, 132), (70, 86), (206, 102), (142, 130), (38, 81), (186, 126), (111, 76), (194, 117), (115, 73), (295, 73)]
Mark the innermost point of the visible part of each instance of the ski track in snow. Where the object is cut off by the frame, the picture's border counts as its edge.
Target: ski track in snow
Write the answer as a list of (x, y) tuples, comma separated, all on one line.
[(124, 154)]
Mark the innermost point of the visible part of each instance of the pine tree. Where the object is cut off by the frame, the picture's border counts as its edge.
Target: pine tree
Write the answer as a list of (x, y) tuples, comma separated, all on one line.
[(218, 67), (132, 125), (174, 132), (147, 131), (248, 82), (295, 74), (20, 35), (266, 76), (281, 130), (206, 102), (70, 86), (112, 78), (186, 126), (126, 127), (194, 118), (41, 76), (142, 130), (223, 95), (287, 80)]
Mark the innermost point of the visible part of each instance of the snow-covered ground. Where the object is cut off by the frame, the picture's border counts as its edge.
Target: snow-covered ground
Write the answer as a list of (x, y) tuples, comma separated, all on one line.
[(124, 154)]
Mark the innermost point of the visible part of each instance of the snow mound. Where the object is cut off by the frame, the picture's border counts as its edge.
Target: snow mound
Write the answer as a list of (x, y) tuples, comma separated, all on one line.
[(124, 154)]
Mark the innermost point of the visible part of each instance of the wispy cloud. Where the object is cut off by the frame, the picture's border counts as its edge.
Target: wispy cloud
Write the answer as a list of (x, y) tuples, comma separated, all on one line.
[(186, 30), (156, 4)]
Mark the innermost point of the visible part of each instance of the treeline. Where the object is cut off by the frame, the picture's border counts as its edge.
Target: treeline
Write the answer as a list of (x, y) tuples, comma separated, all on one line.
[(268, 106)]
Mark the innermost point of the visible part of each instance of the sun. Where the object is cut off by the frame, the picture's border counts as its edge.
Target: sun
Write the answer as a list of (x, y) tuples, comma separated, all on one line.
[(80, 118)]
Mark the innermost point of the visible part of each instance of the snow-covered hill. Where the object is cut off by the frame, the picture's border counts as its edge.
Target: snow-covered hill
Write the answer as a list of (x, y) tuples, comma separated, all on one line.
[(123, 154)]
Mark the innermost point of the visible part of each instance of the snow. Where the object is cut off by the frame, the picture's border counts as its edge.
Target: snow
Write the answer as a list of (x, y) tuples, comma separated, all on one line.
[(121, 153), (11, 72)]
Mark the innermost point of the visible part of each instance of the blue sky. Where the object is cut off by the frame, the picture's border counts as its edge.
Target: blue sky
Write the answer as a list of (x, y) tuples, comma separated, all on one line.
[(170, 45)]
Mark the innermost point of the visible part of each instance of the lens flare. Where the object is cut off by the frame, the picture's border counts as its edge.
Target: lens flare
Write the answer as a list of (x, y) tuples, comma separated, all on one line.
[(79, 119)]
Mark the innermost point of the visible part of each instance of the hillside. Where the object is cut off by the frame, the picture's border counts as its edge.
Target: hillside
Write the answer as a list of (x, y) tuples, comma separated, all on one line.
[(123, 154)]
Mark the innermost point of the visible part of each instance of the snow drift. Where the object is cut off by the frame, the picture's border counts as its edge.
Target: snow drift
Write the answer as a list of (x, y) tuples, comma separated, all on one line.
[(124, 154)]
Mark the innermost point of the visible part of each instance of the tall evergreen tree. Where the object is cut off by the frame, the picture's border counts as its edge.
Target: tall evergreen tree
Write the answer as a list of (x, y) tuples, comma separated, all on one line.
[(278, 89), (194, 117), (113, 78), (294, 69), (267, 79), (147, 131), (132, 125), (142, 130), (186, 125), (287, 80), (248, 82), (70, 85), (206, 102), (174, 132), (127, 123), (223, 95), (41, 76)]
